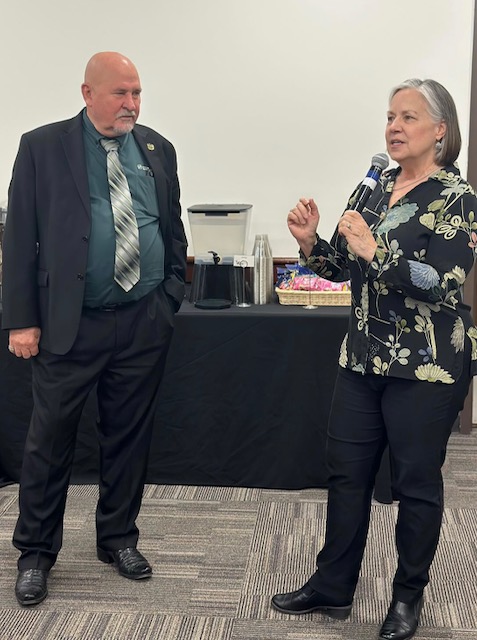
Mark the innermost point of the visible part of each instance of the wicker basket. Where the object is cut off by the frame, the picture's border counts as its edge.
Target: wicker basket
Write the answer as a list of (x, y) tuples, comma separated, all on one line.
[(318, 298)]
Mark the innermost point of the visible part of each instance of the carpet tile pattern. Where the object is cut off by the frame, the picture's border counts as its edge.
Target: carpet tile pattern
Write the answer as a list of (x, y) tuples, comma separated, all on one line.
[(220, 553)]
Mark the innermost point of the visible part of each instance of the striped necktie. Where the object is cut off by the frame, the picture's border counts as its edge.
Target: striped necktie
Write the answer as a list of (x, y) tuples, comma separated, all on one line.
[(126, 259)]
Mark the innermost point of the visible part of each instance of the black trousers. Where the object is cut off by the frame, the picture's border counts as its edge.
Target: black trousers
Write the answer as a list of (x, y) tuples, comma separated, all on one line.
[(123, 352), (416, 419)]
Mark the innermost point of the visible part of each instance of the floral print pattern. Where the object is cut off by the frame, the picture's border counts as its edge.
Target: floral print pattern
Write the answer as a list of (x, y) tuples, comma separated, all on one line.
[(408, 319)]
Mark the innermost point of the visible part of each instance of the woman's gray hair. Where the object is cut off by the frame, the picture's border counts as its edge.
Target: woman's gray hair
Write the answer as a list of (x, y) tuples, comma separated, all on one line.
[(441, 109)]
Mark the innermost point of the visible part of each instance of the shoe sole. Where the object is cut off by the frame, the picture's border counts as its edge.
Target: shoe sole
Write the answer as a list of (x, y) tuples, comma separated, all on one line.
[(107, 558), (33, 601), (338, 613), (143, 576), (380, 637)]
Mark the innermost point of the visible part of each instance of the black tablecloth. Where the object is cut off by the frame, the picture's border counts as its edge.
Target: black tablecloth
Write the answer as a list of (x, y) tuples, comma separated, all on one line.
[(244, 400)]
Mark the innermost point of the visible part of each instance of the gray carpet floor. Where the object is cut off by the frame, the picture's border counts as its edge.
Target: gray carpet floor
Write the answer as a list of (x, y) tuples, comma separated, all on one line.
[(220, 553)]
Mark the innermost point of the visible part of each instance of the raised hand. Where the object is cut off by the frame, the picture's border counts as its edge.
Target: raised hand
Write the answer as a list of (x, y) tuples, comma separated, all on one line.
[(303, 221)]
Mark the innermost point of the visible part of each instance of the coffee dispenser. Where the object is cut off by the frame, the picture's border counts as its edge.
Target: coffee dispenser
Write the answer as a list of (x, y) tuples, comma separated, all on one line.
[(219, 233)]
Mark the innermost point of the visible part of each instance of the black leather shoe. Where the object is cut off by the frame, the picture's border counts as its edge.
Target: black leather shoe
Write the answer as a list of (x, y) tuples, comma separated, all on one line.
[(402, 620), (129, 562), (31, 586), (306, 600)]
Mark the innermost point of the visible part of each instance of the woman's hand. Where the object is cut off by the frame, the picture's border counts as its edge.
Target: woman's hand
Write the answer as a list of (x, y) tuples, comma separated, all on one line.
[(302, 221), (354, 228)]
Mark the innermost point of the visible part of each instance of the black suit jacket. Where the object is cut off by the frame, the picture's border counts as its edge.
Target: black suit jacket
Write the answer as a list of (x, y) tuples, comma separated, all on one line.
[(45, 244)]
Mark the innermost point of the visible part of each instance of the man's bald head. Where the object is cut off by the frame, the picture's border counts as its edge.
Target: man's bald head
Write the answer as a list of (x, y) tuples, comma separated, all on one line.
[(106, 62), (112, 93)]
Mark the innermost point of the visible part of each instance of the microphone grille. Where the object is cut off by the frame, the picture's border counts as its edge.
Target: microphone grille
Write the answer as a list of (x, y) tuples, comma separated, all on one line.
[(380, 160)]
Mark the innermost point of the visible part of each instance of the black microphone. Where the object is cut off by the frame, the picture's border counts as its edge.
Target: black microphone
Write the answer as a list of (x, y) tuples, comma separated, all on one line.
[(379, 162)]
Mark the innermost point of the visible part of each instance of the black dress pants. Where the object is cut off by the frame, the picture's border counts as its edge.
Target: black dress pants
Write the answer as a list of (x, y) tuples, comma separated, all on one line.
[(416, 419), (123, 352)]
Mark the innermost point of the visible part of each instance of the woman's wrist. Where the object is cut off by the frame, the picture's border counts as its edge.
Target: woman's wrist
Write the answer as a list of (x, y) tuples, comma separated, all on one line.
[(306, 246)]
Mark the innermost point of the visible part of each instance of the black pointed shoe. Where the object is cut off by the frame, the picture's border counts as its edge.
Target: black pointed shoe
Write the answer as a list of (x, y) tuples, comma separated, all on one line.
[(30, 587), (129, 562), (306, 600), (402, 620)]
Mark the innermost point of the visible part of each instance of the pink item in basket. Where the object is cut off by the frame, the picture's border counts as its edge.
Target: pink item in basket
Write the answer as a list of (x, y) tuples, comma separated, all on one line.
[(315, 283)]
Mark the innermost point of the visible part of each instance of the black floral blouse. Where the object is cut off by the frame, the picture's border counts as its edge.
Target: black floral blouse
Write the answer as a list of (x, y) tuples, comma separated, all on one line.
[(407, 317)]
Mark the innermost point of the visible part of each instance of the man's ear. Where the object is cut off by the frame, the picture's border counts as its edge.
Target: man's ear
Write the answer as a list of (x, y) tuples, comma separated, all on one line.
[(86, 92)]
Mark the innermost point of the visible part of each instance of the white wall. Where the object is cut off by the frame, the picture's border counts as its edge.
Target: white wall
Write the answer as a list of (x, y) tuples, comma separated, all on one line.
[(264, 100)]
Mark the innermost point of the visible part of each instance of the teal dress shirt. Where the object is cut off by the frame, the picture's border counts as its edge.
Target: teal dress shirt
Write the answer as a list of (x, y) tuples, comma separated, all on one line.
[(100, 287)]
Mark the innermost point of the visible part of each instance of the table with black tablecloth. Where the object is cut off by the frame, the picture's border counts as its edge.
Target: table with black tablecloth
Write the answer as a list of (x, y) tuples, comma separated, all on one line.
[(244, 400)]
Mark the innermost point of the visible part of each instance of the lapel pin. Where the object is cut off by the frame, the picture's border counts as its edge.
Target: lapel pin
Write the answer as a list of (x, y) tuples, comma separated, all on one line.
[(150, 146)]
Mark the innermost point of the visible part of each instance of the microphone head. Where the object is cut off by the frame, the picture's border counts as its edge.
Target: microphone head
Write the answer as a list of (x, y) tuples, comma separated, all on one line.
[(380, 160)]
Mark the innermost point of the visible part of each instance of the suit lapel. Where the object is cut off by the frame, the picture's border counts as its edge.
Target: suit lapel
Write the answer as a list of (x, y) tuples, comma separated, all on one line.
[(73, 145)]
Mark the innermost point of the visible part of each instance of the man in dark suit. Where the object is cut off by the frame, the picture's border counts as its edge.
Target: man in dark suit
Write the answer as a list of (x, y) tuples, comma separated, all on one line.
[(67, 306)]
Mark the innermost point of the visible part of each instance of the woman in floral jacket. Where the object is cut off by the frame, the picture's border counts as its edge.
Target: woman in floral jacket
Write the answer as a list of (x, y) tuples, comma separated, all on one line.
[(409, 355)]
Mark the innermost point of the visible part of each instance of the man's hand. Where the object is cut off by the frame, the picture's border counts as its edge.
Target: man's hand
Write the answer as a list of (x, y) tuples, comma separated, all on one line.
[(23, 343)]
